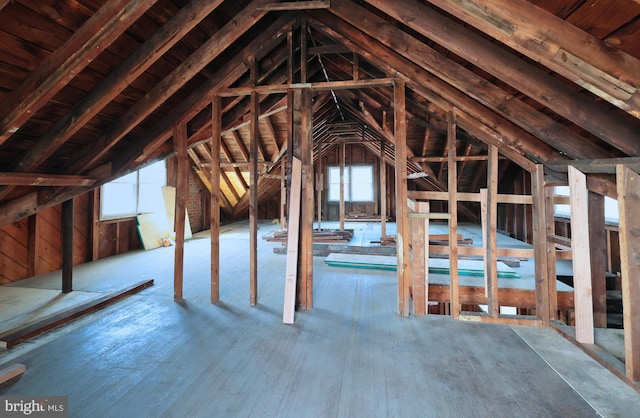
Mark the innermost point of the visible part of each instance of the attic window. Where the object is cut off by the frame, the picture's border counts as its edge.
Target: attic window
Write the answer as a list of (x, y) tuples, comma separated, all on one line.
[(358, 183), (134, 193), (610, 206)]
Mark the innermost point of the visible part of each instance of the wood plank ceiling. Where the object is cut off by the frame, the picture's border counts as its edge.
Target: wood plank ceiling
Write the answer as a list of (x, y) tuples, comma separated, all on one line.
[(91, 89)]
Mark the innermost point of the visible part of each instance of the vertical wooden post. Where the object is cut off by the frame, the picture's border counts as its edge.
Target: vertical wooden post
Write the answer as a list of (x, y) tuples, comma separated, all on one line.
[(552, 291), (598, 251), (253, 191), (541, 244), (283, 193), (303, 53), (580, 250), (383, 192), (491, 256), (33, 253), (290, 58), (424, 207), (216, 134), (319, 186), (95, 224), (418, 230), (453, 213), (342, 156), (402, 214), (182, 187), (67, 246), (628, 185), (306, 218)]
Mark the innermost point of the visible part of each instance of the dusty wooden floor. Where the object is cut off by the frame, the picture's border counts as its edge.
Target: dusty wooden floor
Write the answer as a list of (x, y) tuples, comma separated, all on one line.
[(351, 356)]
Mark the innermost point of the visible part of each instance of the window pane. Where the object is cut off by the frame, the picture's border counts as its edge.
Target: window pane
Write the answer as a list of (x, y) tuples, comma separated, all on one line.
[(154, 173), (562, 209), (362, 183), (334, 184), (118, 199), (150, 198), (152, 178)]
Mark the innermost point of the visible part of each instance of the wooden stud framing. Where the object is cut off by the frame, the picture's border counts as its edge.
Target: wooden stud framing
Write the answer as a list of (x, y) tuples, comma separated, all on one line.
[(67, 246), (216, 138), (182, 189), (402, 233), (628, 185), (453, 213), (581, 256), (541, 245)]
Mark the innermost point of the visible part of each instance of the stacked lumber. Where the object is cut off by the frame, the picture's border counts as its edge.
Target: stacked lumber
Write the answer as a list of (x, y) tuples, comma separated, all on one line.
[(434, 239), (319, 235)]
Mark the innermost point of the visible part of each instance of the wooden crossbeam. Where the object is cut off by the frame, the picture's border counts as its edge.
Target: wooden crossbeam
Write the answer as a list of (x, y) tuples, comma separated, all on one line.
[(35, 179), (599, 165), (316, 86), (296, 5), (458, 158)]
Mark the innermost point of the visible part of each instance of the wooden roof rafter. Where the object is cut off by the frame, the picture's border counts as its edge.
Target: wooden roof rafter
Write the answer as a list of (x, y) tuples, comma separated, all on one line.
[(554, 94)]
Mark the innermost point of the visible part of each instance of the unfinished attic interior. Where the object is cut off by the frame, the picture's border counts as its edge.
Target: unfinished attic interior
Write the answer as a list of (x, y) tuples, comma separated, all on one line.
[(321, 208)]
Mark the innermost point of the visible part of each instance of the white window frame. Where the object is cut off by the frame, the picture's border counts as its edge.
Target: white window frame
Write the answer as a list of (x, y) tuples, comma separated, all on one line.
[(136, 204), (333, 195)]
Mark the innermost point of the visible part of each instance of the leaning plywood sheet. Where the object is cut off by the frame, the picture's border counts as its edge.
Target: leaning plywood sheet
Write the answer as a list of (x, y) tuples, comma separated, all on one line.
[(169, 195), (153, 230), (436, 265)]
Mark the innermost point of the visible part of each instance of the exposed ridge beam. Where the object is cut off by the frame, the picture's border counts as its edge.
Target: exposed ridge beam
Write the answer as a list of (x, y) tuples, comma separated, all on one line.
[(592, 116), (566, 49), (95, 35), (207, 52)]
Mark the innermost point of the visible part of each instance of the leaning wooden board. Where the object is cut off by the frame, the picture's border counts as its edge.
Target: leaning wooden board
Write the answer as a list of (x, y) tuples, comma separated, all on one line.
[(436, 265)]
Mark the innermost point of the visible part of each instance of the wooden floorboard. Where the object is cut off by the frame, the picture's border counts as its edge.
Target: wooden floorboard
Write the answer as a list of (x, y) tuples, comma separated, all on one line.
[(351, 355)]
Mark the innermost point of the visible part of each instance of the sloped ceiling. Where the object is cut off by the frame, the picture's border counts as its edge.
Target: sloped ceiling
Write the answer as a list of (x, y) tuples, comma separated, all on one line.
[(91, 89)]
